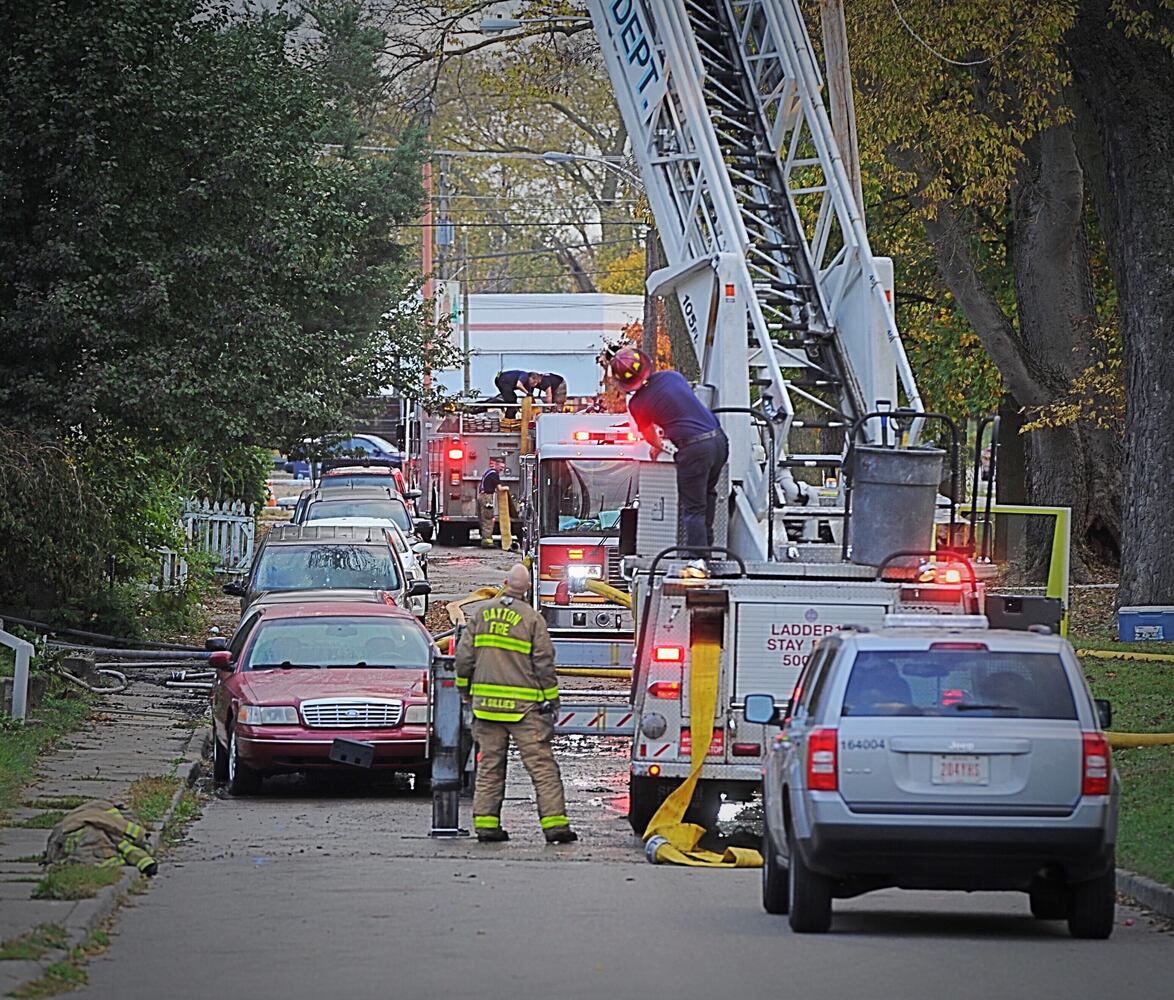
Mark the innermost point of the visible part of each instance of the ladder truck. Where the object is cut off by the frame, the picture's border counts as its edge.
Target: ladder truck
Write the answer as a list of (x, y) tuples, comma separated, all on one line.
[(791, 318)]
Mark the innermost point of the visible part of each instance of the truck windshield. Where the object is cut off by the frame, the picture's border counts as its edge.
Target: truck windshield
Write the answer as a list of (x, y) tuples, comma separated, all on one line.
[(585, 496)]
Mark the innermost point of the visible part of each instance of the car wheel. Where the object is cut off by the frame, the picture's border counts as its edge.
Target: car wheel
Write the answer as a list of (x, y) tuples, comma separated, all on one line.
[(809, 895), (219, 760), (1048, 902), (645, 796), (242, 779), (774, 879), (1092, 906)]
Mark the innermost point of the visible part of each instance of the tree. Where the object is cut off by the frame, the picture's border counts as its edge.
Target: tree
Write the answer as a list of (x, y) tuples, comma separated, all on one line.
[(1122, 59), (182, 263), (976, 134)]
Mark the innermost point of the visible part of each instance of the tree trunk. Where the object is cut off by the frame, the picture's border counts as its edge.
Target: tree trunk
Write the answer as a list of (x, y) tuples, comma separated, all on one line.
[(1126, 88), (1057, 313)]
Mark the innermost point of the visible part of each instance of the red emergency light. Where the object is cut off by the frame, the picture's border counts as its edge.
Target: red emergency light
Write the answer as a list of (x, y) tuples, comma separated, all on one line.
[(582, 436), (668, 654), (456, 454)]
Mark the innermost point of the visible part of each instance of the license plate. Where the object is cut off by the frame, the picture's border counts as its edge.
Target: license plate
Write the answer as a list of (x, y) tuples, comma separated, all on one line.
[(354, 752), (961, 769)]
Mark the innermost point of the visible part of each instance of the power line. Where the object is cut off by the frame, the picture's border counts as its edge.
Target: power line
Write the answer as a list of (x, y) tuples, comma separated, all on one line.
[(944, 58)]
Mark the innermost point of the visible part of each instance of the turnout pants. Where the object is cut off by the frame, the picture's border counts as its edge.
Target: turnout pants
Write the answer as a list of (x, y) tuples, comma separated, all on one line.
[(699, 469), (508, 389), (486, 513), (532, 734)]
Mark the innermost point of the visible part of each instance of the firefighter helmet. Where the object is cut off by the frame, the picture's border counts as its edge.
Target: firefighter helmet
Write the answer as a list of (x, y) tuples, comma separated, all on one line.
[(630, 368)]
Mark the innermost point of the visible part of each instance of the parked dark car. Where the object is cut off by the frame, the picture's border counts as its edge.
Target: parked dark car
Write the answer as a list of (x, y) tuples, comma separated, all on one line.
[(308, 559)]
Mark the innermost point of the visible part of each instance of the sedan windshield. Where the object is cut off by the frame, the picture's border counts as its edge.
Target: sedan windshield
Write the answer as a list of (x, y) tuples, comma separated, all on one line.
[(390, 510), (585, 497), (338, 642), (978, 683), (326, 567)]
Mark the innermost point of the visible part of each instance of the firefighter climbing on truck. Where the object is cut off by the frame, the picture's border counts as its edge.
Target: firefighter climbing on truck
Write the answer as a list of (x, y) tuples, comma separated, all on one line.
[(664, 406)]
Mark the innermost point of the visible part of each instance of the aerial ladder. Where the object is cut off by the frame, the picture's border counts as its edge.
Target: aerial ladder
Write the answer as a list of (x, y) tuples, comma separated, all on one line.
[(786, 306), (791, 319)]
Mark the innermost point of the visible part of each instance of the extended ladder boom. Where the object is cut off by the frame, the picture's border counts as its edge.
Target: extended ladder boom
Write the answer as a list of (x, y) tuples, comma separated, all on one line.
[(766, 250)]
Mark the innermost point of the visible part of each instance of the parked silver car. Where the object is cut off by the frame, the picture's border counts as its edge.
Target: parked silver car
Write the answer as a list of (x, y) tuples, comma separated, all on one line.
[(940, 758)]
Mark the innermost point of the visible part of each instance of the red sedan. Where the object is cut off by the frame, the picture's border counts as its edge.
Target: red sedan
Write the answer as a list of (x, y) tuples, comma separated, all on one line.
[(321, 684)]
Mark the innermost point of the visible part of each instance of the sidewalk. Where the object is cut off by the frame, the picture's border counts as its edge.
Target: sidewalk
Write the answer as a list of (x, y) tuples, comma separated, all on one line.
[(146, 731)]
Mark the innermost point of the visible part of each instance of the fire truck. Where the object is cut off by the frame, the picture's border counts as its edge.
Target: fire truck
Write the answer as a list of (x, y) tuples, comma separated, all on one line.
[(581, 485), (831, 488), (455, 450)]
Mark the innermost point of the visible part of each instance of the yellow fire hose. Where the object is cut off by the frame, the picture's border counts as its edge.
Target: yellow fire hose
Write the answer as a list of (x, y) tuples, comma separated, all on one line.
[(1109, 654), (668, 839), (1131, 740), (503, 518), (610, 592)]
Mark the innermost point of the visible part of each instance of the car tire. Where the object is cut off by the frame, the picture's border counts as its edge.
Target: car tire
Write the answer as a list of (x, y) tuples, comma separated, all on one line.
[(775, 890), (219, 760), (1092, 906), (645, 796), (242, 779), (809, 895), (1048, 902)]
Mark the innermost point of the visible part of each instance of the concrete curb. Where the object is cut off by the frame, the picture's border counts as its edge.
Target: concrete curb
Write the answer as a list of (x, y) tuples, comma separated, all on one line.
[(85, 918), (1147, 892)]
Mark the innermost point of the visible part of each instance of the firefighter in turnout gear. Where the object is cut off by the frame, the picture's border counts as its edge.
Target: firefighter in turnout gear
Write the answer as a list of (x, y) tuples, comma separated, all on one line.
[(505, 665)]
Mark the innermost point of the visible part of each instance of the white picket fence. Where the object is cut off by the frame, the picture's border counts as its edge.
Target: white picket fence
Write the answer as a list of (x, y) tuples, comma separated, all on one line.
[(226, 530)]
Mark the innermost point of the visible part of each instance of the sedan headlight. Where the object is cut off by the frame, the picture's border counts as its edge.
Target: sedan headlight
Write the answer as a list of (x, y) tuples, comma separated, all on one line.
[(416, 715), (267, 715)]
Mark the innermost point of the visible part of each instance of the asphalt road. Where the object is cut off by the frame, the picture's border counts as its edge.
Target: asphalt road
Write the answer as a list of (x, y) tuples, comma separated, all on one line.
[(308, 893), (332, 889)]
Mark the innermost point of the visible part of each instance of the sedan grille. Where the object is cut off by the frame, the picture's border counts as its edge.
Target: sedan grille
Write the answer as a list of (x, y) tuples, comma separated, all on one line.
[(352, 713)]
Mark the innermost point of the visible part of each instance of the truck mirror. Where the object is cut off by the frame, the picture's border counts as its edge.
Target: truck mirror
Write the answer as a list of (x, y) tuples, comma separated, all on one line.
[(761, 708)]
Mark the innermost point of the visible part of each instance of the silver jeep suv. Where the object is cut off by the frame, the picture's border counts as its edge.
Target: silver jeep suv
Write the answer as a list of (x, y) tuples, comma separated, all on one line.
[(940, 758)]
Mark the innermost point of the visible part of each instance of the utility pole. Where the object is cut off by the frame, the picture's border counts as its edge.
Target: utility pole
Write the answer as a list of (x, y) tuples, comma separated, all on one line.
[(465, 339), (843, 107), (652, 262)]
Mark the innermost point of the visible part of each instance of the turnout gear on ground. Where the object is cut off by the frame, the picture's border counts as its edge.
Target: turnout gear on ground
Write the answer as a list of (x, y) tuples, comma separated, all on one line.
[(100, 833), (505, 664)]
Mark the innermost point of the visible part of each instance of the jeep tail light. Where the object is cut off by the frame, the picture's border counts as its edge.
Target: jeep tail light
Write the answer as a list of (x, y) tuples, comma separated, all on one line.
[(665, 689), (821, 761), (1097, 767), (668, 654)]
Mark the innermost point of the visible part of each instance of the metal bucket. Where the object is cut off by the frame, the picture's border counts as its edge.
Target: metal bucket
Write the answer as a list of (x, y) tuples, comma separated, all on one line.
[(893, 495)]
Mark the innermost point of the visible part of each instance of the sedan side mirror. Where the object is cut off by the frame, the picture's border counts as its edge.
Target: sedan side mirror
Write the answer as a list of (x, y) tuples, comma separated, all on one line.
[(216, 644), (234, 589), (422, 548), (424, 528), (413, 495), (221, 661), (761, 708), (1104, 712), (419, 588)]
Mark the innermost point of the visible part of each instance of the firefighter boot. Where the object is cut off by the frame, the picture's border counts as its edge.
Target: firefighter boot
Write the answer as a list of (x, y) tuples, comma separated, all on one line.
[(493, 836), (560, 835)]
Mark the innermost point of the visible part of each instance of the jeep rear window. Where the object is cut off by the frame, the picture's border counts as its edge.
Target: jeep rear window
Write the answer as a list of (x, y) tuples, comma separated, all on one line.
[(325, 567), (959, 683)]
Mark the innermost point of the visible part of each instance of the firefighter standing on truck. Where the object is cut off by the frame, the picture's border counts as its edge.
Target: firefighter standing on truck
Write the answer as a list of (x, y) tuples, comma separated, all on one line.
[(663, 404), (505, 665)]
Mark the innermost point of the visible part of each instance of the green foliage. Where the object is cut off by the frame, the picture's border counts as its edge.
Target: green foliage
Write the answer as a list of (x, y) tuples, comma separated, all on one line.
[(21, 743), (75, 881), (190, 277), (34, 944)]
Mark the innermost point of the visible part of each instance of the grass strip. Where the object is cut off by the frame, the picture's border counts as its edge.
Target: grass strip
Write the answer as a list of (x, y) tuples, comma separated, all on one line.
[(42, 821), (149, 797), (20, 744), (33, 945), (1142, 694), (75, 881), (63, 802)]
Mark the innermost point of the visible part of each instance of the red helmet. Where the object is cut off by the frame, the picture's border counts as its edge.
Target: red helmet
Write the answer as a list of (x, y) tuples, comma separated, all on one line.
[(630, 368)]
